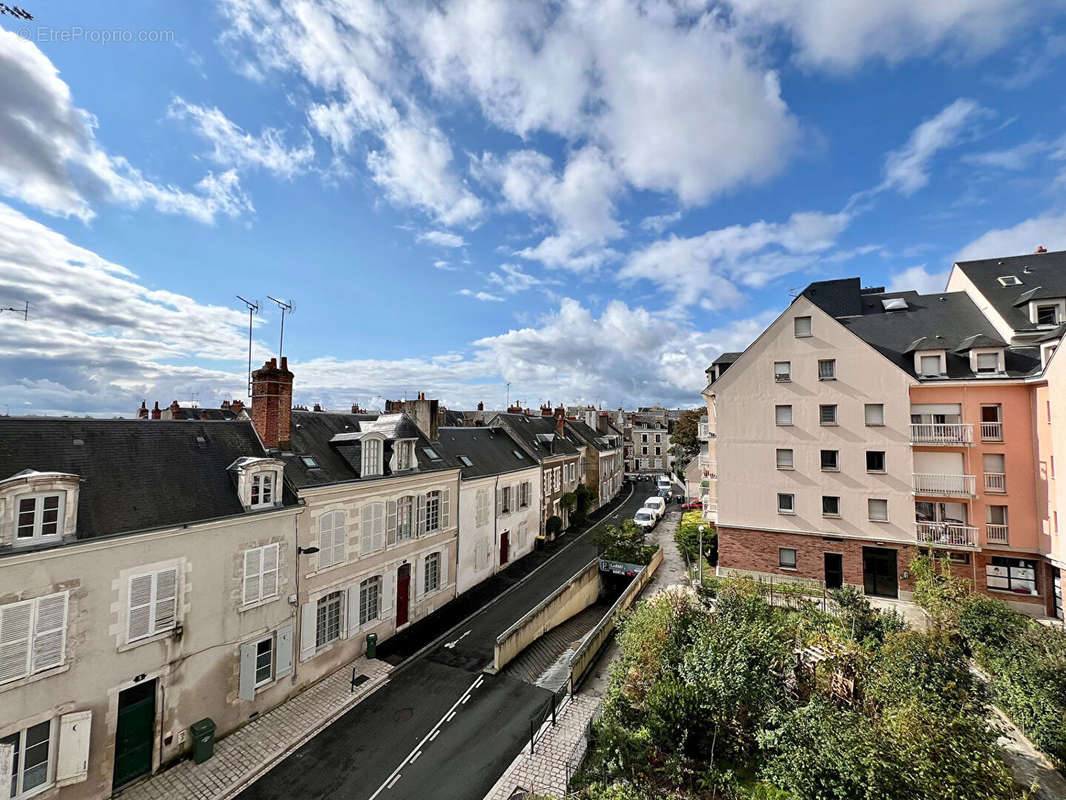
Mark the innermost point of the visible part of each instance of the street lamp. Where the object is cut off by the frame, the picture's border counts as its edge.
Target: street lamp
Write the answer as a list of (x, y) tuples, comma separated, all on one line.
[(306, 550), (702, 529)]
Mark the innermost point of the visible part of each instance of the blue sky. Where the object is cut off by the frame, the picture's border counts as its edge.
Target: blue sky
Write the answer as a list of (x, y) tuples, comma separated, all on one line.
[(589, 200)]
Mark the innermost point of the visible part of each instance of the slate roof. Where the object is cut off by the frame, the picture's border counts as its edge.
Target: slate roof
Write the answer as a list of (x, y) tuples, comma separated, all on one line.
[(532, 432), (136, 474), (1042, 276), (491, 451), (727, 358), (588, 435), (949, 321), (339, 461), (194, 413)]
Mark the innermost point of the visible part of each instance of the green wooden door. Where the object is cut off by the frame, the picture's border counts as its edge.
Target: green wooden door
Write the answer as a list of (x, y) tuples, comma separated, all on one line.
[(135, 734)]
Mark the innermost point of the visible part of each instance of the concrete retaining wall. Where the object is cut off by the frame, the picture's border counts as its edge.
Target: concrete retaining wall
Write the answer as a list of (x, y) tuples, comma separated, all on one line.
[(577, 594)]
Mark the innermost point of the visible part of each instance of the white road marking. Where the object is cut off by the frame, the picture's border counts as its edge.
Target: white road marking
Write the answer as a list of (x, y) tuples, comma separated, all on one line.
[(454, 642), (414, 758), (463, 701), (436, 733), (395, 776), (480, 680)]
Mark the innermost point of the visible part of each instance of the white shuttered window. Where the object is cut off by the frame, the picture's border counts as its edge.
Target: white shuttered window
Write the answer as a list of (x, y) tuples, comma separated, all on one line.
[(33, 636), (153, 603), (261, 573), (332, 538), (373, 528)]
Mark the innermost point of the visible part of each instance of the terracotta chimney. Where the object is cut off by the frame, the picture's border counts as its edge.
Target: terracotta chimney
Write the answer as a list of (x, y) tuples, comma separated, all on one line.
[(272, 404), (157, 412), (1040, 249), (425, 414), (142, 412), (175, 410), (546, 410), (560, 423), (317, 407), (225, 404), (237, 406), (480, 406)]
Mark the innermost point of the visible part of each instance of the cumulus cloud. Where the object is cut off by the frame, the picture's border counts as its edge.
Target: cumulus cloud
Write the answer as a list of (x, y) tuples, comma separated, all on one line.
[(712, 268), (919, 279), (234, 147), (1048, 230), (52, 161), (442, 238), (512, 280), (660, 222), (907, 169), (838, 38)]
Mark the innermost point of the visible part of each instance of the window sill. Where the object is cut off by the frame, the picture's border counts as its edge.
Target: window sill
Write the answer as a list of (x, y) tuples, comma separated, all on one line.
[(786, 469), (875, 424), (784, 424), (788, 569), (831, 516), (830, 469), (876, 472), (827, 379), (122, 648), (786, 513), (829, 424), (1012, 592), (259, 603), (39, 676), (882, 521), (804, 335)]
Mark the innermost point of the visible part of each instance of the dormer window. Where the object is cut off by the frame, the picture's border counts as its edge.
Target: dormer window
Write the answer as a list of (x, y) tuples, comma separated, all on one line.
[(40, 518), (987, 363), (1047, 315), (262, 490), (930, 363), (1047, 311), (403, 455), (371, 457)]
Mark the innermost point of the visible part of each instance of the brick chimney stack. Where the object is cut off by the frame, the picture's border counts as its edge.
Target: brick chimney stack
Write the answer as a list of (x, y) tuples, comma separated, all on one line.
[(142, 412), (560, 420), (480, 406), (317, 407), (157, 412), (601, 423), (237, 406), (272, 404), (175, 410), (546, 410), (424, 413)]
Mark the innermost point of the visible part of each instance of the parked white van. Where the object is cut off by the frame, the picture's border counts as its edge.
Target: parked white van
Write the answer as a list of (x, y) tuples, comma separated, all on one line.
[(656, 505), (645, 519)]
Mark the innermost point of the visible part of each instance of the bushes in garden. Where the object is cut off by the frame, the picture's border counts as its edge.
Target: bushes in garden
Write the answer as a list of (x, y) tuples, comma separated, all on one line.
[(687, 537), (624, 543)]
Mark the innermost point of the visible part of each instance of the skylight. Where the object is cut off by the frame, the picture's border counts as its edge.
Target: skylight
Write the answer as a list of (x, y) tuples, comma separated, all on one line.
[(1009, 280), (518, 455), (309, 462), (894, 304), (431, 453), (466, 461)]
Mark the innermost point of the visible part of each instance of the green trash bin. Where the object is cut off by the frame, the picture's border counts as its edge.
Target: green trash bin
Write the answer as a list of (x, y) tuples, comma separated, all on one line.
[(371, 645), (203, 740)]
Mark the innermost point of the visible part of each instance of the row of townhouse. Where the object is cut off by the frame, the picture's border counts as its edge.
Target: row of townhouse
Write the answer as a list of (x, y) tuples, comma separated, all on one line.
[(864, 426), (155, 572)]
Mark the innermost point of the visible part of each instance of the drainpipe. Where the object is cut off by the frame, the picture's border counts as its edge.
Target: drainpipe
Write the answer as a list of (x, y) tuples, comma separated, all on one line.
[(496, 525)]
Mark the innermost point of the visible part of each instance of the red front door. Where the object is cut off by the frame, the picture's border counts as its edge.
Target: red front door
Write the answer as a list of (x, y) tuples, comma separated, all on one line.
[(403, 594), (504, 547)]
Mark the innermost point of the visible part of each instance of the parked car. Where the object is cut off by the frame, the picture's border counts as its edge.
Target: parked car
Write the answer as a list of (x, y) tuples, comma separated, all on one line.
[(693, 505), (645, 519), (656, 505)]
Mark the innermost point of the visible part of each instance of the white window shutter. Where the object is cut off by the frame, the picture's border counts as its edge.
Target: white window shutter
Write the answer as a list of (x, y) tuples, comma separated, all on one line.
[(246, 687), (325, 539), (166, 599), (7, 762), (340, 537), (366, 541), (283, 652), (421, 514), (269, 584), (379, 526), (499, 502), (443, 568), (140, 607), (390, 524), (16, 622), (308, 623), (445, 509), (419, 577), (50, 632), (252, 571), (352, 613), (72, 763), (388, 592)]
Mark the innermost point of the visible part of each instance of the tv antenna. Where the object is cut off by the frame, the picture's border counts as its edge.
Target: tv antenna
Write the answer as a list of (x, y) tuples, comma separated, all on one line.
[(508, 394), (284, 305), (253, 308), (24, 311)]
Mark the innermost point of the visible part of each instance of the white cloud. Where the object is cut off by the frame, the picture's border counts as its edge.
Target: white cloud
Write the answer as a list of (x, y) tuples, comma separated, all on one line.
[(485, 297), (842, 36), (512, 280), (1032, 63), (712, 268), (442, 238), (52, 161), (907, 169), (1014, 158), (660, 222), (444, 266), (919, 279), (233, 147), (1048, 231)]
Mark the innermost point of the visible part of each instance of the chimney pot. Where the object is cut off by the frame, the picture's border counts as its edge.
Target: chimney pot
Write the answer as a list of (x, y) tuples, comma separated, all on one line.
[(1041, 249), (156, 412), (318, 408), (285, 362)]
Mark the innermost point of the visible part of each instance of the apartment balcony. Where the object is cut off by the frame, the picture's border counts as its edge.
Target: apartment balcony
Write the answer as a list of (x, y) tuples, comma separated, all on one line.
[(709, 468), (996, 534), (996, 482), (943, 434), (933, 485), (706, 432), (945, 534), (991, 431)]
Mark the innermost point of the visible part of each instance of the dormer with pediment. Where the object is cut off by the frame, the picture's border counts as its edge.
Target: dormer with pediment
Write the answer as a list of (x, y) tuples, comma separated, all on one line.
[(38, 508), (259, 481)]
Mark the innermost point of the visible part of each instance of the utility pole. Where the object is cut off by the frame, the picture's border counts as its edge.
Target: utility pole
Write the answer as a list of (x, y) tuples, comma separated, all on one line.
[(24, 311)]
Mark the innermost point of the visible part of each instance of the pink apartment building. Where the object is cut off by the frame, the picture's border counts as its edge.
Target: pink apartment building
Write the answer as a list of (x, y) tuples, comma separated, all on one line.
[(864, 426)]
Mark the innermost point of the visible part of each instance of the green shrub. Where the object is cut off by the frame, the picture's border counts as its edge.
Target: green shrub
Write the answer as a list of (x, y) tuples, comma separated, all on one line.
[(687, 537), (553, 527), (624, 543), (861, 621)]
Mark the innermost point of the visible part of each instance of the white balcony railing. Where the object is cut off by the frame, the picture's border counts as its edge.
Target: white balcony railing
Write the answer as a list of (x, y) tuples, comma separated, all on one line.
[(995, 482), (945, 485), (996, 534), (710, 469), (991, 431), (945, 534), (948, 434), (703, 430)]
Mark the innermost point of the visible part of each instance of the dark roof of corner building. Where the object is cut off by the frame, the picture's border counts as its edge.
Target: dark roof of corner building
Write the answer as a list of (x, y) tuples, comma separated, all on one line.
[(1042, 276), (339, 461), (491, 451), (949, 321), (587, 434), (194, 413), (532, 432), (727, 358), (136, 474)]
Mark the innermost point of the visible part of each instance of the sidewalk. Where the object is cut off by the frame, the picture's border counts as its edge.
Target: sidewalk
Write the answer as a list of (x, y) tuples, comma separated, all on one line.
[(250, 751)]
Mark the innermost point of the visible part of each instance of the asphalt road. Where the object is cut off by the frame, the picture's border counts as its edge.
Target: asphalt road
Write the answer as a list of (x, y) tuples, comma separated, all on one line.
[(440, 728)]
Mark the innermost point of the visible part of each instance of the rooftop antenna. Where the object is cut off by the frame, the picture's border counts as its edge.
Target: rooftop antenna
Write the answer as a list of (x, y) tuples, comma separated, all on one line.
[(24, 311), (253, 308), (284, 306), (508, 394)]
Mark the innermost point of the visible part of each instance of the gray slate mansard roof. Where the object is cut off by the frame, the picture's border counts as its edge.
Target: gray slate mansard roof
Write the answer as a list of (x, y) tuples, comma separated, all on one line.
[(588, 435), (339, 461), (1045, 278), (949, 321), (525, 430), (491, 451), (136, 474)]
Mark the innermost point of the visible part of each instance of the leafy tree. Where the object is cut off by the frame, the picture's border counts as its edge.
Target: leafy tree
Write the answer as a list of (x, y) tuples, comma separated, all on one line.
[(553, 527), (687, 537), (938, 590), (584, 497), (624, 543), (684, 441)]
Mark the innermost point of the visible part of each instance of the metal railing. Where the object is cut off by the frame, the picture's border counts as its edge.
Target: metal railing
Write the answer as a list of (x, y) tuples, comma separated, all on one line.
[(703, 432), (937, 485), (710, 468), (996, 534), (991, 431), (949, 434), (945, 534), (996, 482)]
